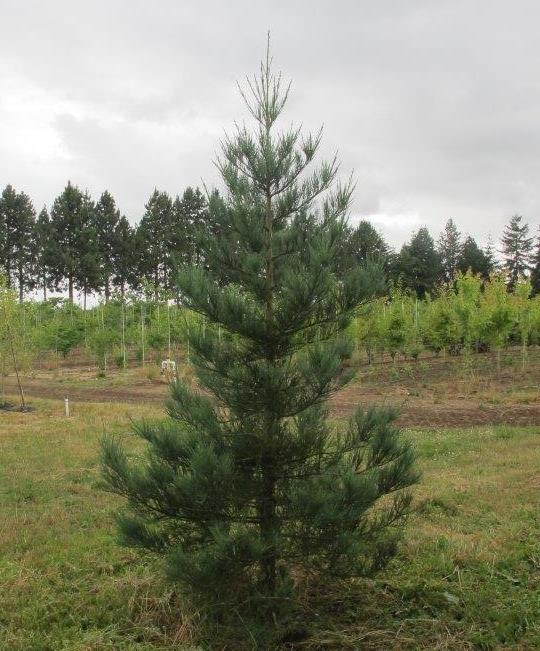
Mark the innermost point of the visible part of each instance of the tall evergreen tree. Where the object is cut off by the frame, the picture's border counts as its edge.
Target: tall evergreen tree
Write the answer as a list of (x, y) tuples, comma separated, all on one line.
[(194, 215), (535, 272), (18, 219), (153, 240), (2, 244), (89, 275), (241, 490), (489, 251), (106, 220), (124, 256), (74, 241), (418, 264), (365, 243), (189, 218), (517, 247), (474, 259), (44, 252), (449, 250), (8, 202)]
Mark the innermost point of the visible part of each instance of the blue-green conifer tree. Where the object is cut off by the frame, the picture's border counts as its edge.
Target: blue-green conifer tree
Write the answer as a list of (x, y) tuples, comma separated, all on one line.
[(247, 483)]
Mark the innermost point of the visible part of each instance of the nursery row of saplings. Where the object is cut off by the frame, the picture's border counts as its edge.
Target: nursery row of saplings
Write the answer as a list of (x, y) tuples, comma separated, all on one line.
[(471, 315)]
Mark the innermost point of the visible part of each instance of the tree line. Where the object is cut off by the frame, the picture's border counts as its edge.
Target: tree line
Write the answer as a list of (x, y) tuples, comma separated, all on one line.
[(90, 247)]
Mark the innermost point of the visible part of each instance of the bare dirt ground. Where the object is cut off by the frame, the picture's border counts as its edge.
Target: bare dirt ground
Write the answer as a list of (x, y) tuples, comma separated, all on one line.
[(431, 392)]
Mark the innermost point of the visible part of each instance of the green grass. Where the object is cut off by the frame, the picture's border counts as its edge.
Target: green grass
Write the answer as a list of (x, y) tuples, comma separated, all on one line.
[(468, 576)]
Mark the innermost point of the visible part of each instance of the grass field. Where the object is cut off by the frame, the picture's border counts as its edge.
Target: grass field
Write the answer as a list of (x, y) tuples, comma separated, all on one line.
[(468, 576)]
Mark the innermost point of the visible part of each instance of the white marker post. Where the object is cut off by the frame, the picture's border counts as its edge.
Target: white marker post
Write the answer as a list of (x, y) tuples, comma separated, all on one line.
[(66, 405)]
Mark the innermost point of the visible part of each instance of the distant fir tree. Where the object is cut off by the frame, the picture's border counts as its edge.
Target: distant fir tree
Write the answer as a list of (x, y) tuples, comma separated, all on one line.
[(179, 238), (8, 212), (194, 210), (449, 250), (249, 482), (17, 219), (490, 254), (473, 258), (418, 264), (535, 270), (89, 277), (44, 252), (516, 249), (153, 240), (75, 246), (365, 243), (124, 257), (106, 220)]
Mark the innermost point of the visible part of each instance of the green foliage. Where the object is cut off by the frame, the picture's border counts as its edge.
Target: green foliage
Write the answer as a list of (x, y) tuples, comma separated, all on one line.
[(466, 300), (517, 248), (15, 348), (470, 314), (497, 312), (242, 490), (17, 225), (472, 258), (440, 324), (418, 265), (449, 248), (75, 256), (102, 342), (535, 268)]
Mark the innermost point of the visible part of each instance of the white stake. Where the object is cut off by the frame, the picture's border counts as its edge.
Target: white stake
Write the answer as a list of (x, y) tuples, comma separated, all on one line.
[(66, 405)]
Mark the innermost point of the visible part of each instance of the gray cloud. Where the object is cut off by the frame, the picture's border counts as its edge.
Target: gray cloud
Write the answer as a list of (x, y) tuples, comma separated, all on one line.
[(434, 104)]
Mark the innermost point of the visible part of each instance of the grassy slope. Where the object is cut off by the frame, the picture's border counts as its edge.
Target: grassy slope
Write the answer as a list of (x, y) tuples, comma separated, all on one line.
[(468, 577)]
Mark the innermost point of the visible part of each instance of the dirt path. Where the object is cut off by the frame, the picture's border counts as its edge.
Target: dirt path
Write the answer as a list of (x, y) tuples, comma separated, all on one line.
[(415, 411)]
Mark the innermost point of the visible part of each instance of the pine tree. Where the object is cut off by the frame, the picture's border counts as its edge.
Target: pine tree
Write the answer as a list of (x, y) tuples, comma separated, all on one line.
[(189, 218), (18, 220), (8, 208), (472, 258), (364, 243), (418, 264), (535, 271), (516, 248), (106, 219), (489, 251), (68, 216), (449, 249), (249, 481), (124, 256), (153, 240), (194, 212), (44, 252), (89, 276)]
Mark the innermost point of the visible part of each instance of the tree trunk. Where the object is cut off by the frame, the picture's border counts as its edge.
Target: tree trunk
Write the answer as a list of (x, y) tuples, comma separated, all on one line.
[(44, 288), (267, 508), (70, 288), (107, 290)]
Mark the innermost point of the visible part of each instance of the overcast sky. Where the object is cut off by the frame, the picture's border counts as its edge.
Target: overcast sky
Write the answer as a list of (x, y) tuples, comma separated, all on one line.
[(435, 104)]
